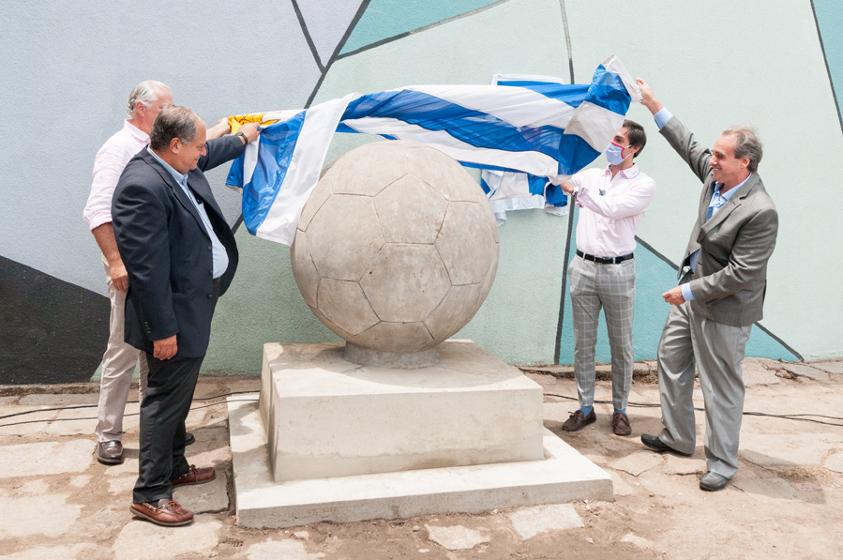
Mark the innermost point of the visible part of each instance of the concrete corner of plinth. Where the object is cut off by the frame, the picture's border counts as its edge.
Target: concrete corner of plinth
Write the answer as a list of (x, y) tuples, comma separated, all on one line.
[(562, 475)]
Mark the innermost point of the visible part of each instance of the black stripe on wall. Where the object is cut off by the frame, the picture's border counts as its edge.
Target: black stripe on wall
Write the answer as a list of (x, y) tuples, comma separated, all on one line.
[(51, 331)]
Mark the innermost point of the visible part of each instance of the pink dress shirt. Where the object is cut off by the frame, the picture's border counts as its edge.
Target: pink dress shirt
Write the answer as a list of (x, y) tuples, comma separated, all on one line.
[(611, 208), (111, 158)]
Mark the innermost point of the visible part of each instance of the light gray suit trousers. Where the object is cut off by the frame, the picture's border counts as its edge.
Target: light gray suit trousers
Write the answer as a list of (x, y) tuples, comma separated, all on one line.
[(716, 349)]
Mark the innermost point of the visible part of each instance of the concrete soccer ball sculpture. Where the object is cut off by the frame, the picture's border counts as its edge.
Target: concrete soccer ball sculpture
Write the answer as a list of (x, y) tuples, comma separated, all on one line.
[(397, 248)]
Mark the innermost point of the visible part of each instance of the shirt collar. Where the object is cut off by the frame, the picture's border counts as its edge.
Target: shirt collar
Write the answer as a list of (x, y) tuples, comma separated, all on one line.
[(629, 173), (180, 178), (135, 131), (731, 192)]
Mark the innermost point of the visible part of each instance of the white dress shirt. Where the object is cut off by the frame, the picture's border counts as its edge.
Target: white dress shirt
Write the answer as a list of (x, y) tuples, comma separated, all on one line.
[(109, 162), (610, 209)]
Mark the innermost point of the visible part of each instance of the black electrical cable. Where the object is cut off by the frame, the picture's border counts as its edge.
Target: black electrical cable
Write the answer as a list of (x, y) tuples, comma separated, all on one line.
[(129, 414), (795, 417), (75, 406)]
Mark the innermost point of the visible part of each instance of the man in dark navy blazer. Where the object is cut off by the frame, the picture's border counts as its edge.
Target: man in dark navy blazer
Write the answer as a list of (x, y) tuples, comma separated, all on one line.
[(181, 256)]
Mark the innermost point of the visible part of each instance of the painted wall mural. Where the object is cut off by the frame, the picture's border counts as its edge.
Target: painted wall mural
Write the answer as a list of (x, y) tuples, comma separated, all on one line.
[(72, 80)]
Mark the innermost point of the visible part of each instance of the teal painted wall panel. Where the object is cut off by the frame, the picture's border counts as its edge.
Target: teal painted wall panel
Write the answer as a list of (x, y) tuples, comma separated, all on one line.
[(829, 15), (517, 322), (388, 18), (711, 84), (653, 277), (262, 305)]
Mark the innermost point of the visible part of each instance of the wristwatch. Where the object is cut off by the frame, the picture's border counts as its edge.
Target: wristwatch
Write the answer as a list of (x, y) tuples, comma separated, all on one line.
[(242, 136)]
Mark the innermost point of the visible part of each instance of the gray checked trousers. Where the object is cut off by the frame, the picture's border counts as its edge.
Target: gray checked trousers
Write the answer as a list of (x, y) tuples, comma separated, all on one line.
[(612, 288), (690, 341)]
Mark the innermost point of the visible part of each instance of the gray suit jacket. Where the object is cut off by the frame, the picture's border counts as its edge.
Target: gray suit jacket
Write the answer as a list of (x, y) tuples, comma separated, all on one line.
[(730, 280)]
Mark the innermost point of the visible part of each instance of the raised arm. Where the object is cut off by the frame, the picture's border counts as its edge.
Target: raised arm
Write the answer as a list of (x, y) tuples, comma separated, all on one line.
[(678, 136), (226, 148)]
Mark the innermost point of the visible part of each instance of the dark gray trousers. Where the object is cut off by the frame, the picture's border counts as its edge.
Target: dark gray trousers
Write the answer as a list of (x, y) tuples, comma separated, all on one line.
[(163, 412)]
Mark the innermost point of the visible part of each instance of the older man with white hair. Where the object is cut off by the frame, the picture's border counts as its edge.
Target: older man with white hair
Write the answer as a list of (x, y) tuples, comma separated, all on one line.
[(146, 100)]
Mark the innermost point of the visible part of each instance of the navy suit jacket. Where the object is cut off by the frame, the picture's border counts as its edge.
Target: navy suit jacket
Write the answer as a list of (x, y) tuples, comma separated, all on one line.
[(167, 251)]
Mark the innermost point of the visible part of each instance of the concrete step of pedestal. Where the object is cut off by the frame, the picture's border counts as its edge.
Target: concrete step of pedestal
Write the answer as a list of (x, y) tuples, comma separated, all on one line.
[(564, 475)]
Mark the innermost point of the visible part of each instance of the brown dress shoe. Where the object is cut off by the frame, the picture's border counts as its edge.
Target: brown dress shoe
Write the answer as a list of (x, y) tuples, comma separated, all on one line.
[(165, 512), (577, 421), (620, 424), (195, 475)]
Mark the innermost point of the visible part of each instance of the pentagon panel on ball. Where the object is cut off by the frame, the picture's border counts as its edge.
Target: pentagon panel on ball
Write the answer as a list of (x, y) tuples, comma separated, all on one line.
[(395, 251)]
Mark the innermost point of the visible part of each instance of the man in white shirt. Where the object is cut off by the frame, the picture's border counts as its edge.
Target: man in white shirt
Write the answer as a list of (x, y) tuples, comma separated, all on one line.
[(146, 100), (611, 202)]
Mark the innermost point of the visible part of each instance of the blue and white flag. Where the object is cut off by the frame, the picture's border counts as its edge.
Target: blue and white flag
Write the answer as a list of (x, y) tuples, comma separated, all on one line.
[(548, 130), (515, 190)]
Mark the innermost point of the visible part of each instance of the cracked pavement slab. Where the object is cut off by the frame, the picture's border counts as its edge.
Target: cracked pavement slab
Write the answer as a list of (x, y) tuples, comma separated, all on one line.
[(58, 502)]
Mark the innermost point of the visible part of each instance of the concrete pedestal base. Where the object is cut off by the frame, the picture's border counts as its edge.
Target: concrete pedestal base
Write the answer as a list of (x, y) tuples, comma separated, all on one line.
[(328, 417), (334, 441), (563, 475)]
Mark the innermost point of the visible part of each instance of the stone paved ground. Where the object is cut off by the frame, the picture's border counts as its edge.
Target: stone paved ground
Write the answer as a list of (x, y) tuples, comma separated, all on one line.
[(57, 502)]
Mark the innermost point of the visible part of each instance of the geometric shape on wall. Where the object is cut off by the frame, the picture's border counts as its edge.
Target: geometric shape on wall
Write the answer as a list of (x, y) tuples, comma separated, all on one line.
[(262, 305), (389, 19), (327, 26), (829, 15), (51, 331), (653, 277)]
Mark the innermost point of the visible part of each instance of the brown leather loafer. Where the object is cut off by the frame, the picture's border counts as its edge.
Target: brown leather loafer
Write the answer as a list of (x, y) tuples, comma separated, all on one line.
[(165, 512), (620, 424), (195, 475), (577, 421), (109, 452)]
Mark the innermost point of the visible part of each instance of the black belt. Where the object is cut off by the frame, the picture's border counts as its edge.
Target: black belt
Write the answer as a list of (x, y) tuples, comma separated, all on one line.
[(604, 260)]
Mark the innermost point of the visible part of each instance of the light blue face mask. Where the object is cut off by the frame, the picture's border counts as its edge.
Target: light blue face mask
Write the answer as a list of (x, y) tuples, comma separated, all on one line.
[(614, 154)]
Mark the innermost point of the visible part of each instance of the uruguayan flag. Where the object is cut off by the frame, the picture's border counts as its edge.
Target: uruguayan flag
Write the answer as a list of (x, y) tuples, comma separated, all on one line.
[(514, 190), (547, 130)]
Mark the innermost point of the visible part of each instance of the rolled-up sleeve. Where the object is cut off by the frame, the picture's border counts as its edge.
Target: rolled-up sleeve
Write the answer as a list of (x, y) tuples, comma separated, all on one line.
[(108, 166), (620, 204)]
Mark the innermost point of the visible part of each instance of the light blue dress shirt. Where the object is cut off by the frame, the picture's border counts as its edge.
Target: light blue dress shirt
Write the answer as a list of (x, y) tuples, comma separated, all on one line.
[(220, 256), (717, 201)]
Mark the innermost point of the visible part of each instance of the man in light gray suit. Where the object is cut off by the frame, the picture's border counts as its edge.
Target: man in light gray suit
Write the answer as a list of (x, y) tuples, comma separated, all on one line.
[(720, 294)]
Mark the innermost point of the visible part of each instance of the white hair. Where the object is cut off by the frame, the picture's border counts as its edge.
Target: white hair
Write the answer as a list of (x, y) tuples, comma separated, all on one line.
[(146, 92)]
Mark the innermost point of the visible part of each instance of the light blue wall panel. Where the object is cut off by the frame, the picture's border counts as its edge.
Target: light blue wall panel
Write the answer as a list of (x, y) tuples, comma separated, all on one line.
[(653, 277), (829, 14), (388, 18)]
